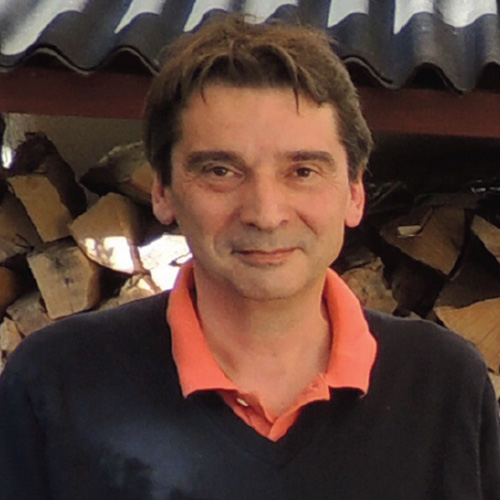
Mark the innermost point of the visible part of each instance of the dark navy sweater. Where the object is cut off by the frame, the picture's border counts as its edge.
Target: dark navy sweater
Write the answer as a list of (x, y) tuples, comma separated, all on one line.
[(91, 409)]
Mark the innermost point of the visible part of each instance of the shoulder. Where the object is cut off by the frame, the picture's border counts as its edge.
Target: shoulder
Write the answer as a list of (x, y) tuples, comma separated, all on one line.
[(90, 336), (427, 347), (418, 336)]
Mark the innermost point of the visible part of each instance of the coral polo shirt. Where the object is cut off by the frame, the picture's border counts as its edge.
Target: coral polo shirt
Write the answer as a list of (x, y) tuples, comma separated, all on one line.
[(351, 359)]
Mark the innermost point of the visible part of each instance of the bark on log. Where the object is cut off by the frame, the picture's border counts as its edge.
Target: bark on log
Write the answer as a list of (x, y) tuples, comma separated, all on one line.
[(10, 288), (17, 233)]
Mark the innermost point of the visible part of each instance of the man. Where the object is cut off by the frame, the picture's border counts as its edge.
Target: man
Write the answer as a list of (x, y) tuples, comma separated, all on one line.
[(259, 376)]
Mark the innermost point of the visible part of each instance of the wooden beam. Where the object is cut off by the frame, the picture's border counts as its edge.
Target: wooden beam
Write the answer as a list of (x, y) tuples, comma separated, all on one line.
[(114, 95), (433, 112), (41, 91)]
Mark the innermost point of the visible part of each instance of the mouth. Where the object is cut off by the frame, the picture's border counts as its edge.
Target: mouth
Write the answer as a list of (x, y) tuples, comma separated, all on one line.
[(265, 257)]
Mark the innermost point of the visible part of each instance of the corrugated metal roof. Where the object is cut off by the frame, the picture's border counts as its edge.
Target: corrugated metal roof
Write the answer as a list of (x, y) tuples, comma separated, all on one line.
[(393, 40)]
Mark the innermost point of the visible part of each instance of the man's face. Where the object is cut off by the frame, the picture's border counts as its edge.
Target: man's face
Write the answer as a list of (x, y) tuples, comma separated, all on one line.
[(260, 189)]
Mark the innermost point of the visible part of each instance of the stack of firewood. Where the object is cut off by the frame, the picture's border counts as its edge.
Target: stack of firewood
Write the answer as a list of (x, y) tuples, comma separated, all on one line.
[(444, 266), (432, 249), (68, 246), (65, 249)]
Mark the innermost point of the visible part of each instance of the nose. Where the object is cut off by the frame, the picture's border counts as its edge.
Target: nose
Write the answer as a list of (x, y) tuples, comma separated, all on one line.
[(264, 203)]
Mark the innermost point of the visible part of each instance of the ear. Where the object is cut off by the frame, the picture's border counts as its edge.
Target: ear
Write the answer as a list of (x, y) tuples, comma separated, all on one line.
[(356, 203), (161, 198)]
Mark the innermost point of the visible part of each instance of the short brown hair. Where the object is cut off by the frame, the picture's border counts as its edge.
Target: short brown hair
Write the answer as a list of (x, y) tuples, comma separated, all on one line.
[(231, 51)]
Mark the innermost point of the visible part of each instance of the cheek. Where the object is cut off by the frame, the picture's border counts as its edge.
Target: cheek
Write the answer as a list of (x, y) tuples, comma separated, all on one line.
[(201, 221), (325, 213)]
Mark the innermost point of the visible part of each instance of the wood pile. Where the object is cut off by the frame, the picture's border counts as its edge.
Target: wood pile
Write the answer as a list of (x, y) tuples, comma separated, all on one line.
[(436, 230), (65, 249), (68, 246)]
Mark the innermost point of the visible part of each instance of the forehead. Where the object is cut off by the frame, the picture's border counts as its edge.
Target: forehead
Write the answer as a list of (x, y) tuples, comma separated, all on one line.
[(220, 96), (229, 114)]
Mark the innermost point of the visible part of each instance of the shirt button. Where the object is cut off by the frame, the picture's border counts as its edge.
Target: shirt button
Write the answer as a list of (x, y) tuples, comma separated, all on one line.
[(242, 402)]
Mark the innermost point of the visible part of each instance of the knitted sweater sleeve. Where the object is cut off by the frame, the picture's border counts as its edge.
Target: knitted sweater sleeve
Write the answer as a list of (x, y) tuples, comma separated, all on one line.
[(22, 464), (490, 445)]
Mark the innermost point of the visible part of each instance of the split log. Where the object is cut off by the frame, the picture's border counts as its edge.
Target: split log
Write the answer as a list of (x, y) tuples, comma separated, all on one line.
[(17, 233), (354, 254), (28, 313), (413, 223), (3, 183), (477, 279), (46, 186), (125, 170), (109, 232), (10, 336), (414, 285), (67, 279), (163, 257), (10, 288), (136, 287), (438, 244), (488, 234), (479, 323), (367, 283), (495, 380)]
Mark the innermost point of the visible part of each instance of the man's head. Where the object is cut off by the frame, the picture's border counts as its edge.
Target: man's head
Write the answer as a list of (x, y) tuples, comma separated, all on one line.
[(259, 143), (233, 52)]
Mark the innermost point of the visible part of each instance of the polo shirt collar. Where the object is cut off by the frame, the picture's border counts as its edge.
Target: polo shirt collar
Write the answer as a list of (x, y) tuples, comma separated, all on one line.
[(352, 354)]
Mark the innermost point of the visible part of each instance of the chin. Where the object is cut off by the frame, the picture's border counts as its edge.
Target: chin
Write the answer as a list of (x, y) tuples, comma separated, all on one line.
[(265, 295), (268, 288)]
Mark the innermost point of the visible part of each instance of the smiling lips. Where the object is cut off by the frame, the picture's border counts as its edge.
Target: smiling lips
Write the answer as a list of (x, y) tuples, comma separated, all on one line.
[(267, 257)]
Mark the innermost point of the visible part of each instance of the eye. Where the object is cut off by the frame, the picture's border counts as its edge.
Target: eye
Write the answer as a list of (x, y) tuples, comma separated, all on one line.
[(218, 171), (304, 172)]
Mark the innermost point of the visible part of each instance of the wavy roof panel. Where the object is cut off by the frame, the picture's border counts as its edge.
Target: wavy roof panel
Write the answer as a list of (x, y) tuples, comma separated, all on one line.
[(391, 39)]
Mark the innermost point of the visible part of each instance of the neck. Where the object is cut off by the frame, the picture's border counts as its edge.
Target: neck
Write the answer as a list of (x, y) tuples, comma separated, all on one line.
[(286, 341)]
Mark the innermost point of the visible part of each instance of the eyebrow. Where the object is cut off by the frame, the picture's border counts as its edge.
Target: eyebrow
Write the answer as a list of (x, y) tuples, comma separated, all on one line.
[(311, 155), (197, 159)]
